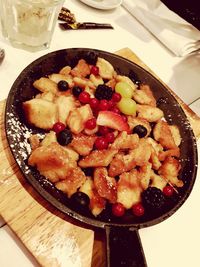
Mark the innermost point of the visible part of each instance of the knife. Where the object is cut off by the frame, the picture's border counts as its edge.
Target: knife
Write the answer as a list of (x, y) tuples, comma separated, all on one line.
[(84, 26)]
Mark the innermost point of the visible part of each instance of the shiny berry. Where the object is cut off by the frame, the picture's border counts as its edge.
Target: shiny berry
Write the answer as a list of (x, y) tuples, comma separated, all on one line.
[(84, 97), (118, 209), (116, 110), (103, 130), (91, 57), (101, 143), (153, 198), (63, 85), (138, 209), (94, 103), (110, 137), (58, 127), (103, 104), (76, 90), (140, 130), (111, 104), (168, 190), (94, 70), (80, 201), (116, 97), (103, 92), (90, 124), (64, 137)]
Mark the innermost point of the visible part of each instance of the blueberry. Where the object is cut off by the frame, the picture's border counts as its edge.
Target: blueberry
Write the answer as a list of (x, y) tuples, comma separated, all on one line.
[(63, 85), (76, 90), (80, 201), (91, 58), (140, 130), (88, 171), (64, 137)]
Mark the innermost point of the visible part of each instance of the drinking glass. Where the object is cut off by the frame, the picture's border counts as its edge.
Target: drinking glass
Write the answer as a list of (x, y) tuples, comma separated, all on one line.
[(29, 24)]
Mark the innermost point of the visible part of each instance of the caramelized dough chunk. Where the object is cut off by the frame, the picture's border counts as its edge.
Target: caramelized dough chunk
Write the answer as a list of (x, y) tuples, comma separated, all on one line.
[(46, 85), (72, 182), (40, 113), (106, 70), (82, 69), (125, 141), (83, 144), (98, 158), (136, 157), (176, 134), (163, 135), (144, 96), (34, 141), (65, 104), (174, 152), (129, 189), (144, 175), (149, 113), (169, 171), (52, 161), (105, 185), (121, 163)]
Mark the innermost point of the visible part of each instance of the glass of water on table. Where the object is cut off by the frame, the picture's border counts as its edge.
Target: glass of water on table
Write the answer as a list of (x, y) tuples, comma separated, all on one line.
[(29, 24)]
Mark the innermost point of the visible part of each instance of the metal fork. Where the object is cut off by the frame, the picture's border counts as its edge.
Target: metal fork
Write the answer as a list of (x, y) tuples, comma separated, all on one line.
[(2, 54)]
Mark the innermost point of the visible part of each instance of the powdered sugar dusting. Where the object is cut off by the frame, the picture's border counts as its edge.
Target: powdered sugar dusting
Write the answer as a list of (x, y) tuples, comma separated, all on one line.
[(18, 135)]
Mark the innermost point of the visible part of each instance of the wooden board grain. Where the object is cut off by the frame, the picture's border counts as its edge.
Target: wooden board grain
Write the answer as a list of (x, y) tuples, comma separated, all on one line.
[(54, 239)]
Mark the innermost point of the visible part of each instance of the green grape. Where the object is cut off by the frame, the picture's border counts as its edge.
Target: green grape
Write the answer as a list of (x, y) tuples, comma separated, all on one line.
[(124, 89), (127, 106)]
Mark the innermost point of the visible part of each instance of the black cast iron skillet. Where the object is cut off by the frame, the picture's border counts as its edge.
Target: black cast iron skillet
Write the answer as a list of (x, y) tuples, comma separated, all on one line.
[(123, 243)]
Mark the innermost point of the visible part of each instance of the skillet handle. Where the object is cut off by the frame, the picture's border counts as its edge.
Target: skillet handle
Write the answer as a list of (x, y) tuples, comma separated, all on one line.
[(124, 248)]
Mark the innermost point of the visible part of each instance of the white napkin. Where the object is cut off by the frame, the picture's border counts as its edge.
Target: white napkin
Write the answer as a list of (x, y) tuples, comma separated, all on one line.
[(175, 33)]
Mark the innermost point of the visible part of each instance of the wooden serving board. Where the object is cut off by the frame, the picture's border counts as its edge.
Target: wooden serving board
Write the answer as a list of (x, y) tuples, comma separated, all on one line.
[(53, 238)]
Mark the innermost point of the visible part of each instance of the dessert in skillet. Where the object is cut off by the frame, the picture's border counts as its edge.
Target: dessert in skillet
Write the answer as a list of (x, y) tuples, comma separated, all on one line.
[(106, 141)]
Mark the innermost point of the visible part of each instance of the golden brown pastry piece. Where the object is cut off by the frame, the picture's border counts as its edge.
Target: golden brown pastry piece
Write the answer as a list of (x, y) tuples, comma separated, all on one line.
[(52, 161), (98, 158)]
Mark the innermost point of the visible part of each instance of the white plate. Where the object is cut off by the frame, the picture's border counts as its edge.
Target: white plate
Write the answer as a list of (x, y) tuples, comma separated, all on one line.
[(103, 4)]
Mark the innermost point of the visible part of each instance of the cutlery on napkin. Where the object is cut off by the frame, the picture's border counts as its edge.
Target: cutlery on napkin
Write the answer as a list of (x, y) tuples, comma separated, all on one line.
[(85, 26), (175, 33), (70, 22)]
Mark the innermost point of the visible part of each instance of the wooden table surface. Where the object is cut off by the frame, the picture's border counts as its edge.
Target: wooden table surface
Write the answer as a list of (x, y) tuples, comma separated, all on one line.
[(53, 238)]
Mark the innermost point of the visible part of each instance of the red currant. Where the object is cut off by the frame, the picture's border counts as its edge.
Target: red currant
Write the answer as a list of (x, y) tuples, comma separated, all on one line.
[(111, 104), (138, 209), (94, 70), (168, 190), (94, 102), (116, 110), (103, 130), (58, 127), (103, 105), (90, 124), (118, 209), (116, 97), (84, 97), (110, 137), (101, 143)]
